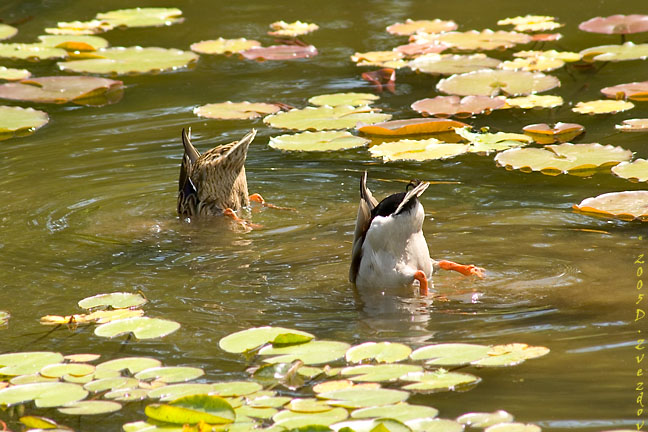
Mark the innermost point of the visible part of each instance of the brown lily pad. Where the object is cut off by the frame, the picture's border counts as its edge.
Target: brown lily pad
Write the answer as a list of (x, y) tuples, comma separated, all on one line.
[(542, 133), (616, 24), (409, 27), (280, 52), (445, 106), (634, 91), (417, 126), (81, 90), (626, 205), (633, 125)]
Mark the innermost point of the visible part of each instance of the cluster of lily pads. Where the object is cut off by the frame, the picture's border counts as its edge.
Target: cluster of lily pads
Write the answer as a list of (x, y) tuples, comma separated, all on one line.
[(299, 383)]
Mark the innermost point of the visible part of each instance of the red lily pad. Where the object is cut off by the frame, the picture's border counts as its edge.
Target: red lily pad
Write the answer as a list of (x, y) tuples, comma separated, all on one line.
[(63, 89), (616, 24), (280, 52), (542, 133), (420, 48), (414, 126), (382, 79), (635, 91), (445, 106)]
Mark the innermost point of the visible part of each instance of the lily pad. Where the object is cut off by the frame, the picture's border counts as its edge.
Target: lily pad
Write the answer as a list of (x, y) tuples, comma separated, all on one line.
[(280, 52), (563, 158), (90, 408), (362, 397), (153, 426), (127, 394), (542, 133), (192, 410), (439, 380), (132, 364), (293, 29), (352, 99), (381, 79), (308, 405), (25, 363), (114, 383), (30, 379), (140, 327), (489, 142), (142, 17), (484, 419), (325, 117), (566, 56), (531, 23), (391, 59), (44, 395), (254, 412), (634, 91), (34, 52), (467, 106), (313, 352), (616, 24), (511, 354), (475, 40), (268, 401), (73, 43), (97, 317), (4, 318), (246, 340), (615, 53), (416, 126), (534, 101), (235, 110), (132, 60), (533, 64), (379, 373), (37, 422), (61, 89), (409, 27), (170, 374), (224, 46), (20, 121), (420, 48), (11, 74), (290, 419), (417, 150), (626, 205), (633, 125), (82, 358), (7, 31), (317, 141), (175, 391), (235, 388), (381, 352), (402, 412), (513, 427), (116, 300), (448, 64), (434, 425), (602, 106), (450, 354), (61, 370), (80, 27), (372, 425), (494, 82)]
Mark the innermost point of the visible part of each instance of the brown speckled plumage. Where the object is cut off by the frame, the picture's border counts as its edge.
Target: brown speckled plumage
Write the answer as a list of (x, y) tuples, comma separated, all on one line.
[(211, 182)]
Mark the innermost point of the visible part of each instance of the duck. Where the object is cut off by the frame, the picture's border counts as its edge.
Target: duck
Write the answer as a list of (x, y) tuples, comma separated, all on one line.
[(214, 183), (389, 249)]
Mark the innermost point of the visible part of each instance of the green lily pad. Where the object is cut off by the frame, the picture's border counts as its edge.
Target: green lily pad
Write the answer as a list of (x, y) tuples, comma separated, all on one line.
[(170, 374), (494, 82), (435, 425), (351, 99), (44, 395), (381, 352), (484, 420), (417, 150), (635, 171), (450, 354), (246, 340), (142, 17), (373, 425), (235, 388), (291, 419), (379, 373), (31, 378), (4, 318), (490, 142), (235, 110), (132, 60), (440, 380), (132, 364), (317, 141), (141, 327), (224, 46), (27, 362), (308, 405), (11, 74), (142, 426), (192, 410), (62, 89), (615, 53), (513, 427), (61, 370), (268, 401), (511, 354), (127, 395), (402, 412), (116, 300), (325, 117), (37, 422), (73, 43), (20, 121), (448, 64), (7, 31), (82, 358), (310, 371), (313, 352), (175, 391), (90, 408), (364, 397), (255, 412), (563, 158), (35, 51), (113, 383), (626, 205)]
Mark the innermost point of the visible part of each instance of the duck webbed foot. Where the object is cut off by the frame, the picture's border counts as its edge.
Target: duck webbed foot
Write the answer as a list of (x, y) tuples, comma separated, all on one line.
[(258, 198), (423, 283), (466, 270), (247, 224)]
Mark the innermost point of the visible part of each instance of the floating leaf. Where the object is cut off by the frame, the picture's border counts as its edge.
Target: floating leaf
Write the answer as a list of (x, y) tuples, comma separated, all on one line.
[(633, 125), (335, 99), (419, 48), (11, 74), (533, 64), (116, 300), (98, 317), (141, 426), (235, 110), (329, 386), (254, 412), (61, 370), (132, 60), (454, 105), (511, 354), (535, 101), (30, 379), (114, 383), (563, 158), (175, 391), (542, 133), (391, 59), (379, 373), (127, 394), (131, 364), (80, 27), (417, 126), (4, 316), (224, 46), (616, 24), (475, 40), (141, 327), (484, 420), (450, 354), (36, 422), (293, 29), (25, 363), (246, 340), (410, 27), (381, 352), (494, 82), (280, 52), (313, 352), (22, 51), (82, 358), (634, 91), (235, 388), (291, 419), (74, 43), (359, 397), (626, 205), (435, 425), (513, 427), (531, 23), (614, 53), (90, 408), (402, 412), (448, 64), (44, 395), (7, 31), (489, 142), (417, 150), (565, 56), (170, 374), (317, 141), (439, 380), (192, 410), (20, 121), (268, 401), (62, 89), (546, 37), (142, 17), (603, 106), (308, 405), (373, 425), (325, 117)]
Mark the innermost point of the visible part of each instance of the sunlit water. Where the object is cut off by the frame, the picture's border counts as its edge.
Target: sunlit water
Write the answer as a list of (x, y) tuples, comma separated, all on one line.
[(89, 201)]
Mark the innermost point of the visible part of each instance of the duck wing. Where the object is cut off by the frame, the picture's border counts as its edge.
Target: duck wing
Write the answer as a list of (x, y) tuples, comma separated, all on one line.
[(363, 221)]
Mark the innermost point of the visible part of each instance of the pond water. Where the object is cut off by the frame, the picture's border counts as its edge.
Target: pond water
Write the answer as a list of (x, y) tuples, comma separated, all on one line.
[(89, 207)]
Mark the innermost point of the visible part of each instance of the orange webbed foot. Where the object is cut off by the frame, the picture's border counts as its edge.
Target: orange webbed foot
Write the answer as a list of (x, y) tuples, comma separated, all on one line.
[(423, 283), (258, 198), (466, 270), (232, 214)]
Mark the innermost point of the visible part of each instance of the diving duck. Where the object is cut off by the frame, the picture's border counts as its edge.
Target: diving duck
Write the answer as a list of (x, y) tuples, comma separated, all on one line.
[(214, 183), (389, 249)]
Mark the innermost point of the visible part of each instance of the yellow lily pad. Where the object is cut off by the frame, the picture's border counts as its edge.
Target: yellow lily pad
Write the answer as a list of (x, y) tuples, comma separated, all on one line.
[(626, 205), (448, 64), (565, 56), (379, 373), (476, 40), (511, 354), (542, 133), (527, 19), (410, 27), (563, 158), (533, 64), (63, 89), (486, 143), (636, 171), (317, 141), (224, 46), (325, 117), (633, 125), (484, 419), (439, 380), (494, 82), (392, 59), (335, 99), (11, 74), (80, 27), (20, 121), (615, 53), (293, 29), (73, 43), (142, 17), (7, 31), (602, 106), (417, 150), (535, 101), (235, 110), (35, 51), (98, 317)]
